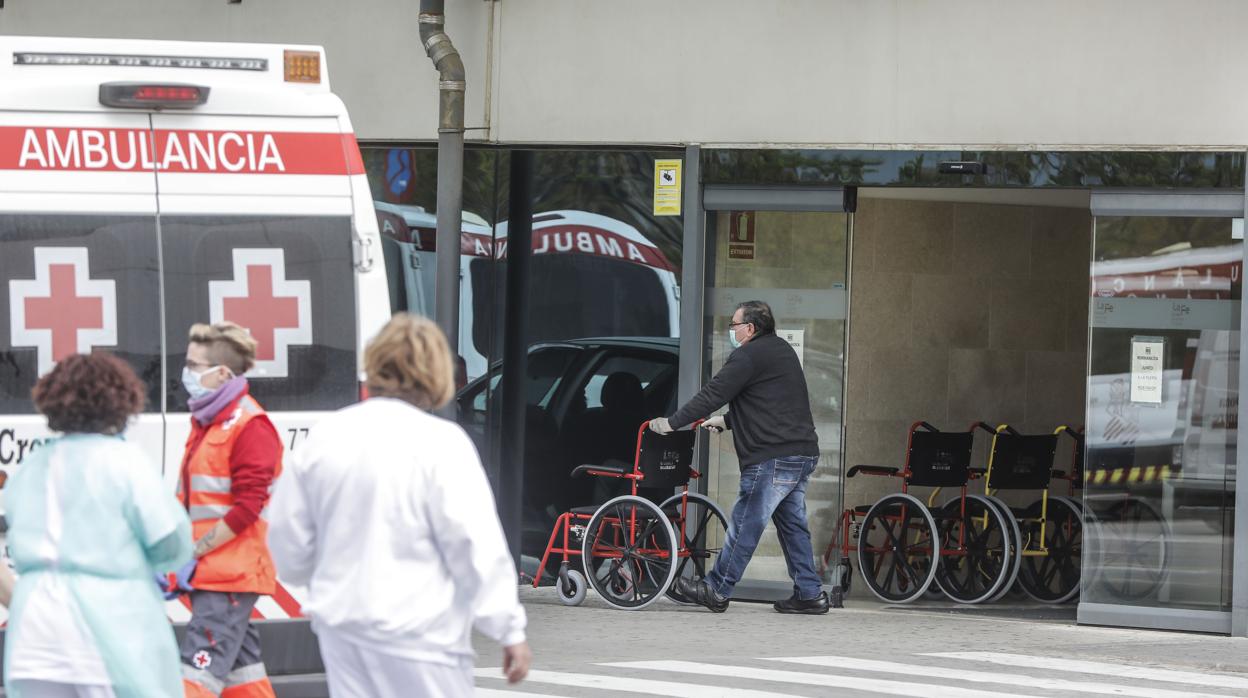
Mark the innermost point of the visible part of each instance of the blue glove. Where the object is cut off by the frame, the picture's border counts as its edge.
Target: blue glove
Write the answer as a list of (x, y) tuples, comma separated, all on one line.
[(184, 577), (162, 581)]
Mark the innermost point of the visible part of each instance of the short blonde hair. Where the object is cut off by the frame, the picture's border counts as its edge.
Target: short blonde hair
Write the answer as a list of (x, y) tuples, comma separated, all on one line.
[(410, 360), (228, 345)]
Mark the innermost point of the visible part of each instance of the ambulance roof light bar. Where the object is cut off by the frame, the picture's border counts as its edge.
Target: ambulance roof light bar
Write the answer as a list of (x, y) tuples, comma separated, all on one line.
[(152, 96), (140, 61)]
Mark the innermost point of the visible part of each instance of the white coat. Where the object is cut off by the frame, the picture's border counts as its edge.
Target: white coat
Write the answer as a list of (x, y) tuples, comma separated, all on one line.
[(386, 515)]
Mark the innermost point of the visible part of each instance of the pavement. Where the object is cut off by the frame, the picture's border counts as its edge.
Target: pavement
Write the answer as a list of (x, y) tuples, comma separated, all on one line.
[(865, 649)]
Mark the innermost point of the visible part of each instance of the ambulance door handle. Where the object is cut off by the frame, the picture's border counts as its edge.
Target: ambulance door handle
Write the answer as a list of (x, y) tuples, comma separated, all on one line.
[(363, 252)]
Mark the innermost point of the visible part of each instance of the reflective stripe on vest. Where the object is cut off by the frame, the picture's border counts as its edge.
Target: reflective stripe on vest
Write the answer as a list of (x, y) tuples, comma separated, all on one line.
[(210, 483), (199, 512)]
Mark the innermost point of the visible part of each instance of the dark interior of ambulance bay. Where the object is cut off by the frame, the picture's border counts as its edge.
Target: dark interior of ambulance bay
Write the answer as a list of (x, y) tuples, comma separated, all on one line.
[(987, 303)]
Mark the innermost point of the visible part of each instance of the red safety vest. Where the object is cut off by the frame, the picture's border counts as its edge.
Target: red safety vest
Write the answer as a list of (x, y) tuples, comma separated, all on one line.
[(244, 563)]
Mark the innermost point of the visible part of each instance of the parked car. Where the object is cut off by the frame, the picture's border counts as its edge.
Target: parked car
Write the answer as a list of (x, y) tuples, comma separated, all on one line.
[(586, 399)]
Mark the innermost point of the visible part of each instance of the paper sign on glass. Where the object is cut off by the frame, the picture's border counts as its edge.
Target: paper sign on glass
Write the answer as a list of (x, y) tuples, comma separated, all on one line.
[(1147, 364)]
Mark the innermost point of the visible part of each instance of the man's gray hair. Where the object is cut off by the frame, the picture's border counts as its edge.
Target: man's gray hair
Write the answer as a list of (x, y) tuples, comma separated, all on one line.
[(758, 314)]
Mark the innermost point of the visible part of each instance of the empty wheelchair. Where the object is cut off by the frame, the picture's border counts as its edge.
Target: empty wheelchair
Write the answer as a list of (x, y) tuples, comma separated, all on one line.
[(631, 549), (1048, 533), (904, 545)]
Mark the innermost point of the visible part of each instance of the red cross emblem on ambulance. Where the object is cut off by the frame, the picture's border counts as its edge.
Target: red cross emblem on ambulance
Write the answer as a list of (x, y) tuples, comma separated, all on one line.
[(63, 311), (275, 310)]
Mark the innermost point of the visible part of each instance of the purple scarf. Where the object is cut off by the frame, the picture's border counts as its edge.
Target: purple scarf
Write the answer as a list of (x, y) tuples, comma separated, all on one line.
[(206, 408)]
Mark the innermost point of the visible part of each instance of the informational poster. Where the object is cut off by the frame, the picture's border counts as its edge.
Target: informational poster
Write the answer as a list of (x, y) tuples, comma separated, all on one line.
[(667, 187), (797, 340), (1147, 363)]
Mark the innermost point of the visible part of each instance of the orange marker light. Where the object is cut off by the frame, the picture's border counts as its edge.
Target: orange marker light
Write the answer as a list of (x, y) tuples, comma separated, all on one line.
[(302, 66)]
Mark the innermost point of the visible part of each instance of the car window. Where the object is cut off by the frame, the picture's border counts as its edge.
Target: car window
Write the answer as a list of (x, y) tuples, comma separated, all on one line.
[(645, 369), (547, 367), (487, 389)]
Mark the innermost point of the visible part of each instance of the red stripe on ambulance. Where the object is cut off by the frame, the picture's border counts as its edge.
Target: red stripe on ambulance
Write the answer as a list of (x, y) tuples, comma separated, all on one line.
[(178, 151)]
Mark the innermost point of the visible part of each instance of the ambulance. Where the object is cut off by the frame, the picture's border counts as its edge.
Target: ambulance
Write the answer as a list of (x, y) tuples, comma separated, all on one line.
[(625, 285), (149, 185)]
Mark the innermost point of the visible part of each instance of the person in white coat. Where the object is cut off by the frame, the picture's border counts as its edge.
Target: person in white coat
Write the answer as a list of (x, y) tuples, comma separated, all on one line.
[(386, 515)]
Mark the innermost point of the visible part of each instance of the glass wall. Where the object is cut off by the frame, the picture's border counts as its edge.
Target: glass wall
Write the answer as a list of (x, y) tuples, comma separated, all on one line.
[(604, 306), (1162, 413), (797, 263)]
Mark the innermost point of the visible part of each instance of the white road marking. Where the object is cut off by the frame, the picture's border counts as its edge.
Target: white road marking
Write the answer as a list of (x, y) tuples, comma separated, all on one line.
[(858, 683), (624, 683), (1100, 668), (498, 693), (1031, 682)]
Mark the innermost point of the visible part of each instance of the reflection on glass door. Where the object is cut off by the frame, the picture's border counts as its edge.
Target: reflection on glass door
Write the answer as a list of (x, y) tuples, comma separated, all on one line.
[(1162, 420), (797, 263)]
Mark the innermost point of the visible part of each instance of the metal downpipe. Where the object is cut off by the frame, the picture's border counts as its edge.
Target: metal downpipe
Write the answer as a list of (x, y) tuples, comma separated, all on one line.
[(450, 166)]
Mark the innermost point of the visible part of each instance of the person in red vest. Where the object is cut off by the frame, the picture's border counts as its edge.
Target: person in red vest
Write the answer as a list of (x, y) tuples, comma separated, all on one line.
[(232, 457)]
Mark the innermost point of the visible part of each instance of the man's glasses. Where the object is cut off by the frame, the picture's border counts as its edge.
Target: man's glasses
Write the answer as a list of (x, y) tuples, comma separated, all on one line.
[(736, 324)]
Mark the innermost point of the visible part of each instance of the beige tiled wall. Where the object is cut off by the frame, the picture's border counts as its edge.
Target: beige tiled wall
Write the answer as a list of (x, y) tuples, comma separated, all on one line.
[(962, 312)]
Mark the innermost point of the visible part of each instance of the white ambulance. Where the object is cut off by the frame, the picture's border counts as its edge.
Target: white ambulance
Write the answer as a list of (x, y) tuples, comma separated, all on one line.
[(625, 285), (148, 185)]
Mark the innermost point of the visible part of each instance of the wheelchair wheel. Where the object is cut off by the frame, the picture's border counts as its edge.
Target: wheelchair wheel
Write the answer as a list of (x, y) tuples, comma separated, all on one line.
[(1054, 578), (571, 588), (1018, 544), (629, 552), (898, 548), (701, 533), (1131, 541), (976, 549)]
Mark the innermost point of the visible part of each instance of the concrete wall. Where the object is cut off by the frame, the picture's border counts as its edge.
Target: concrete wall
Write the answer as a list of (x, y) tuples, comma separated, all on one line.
[(829, 72), (962, 312)]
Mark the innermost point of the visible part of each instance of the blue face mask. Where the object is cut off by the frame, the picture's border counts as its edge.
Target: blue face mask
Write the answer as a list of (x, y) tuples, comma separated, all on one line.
[(191, 381), (732, 338)]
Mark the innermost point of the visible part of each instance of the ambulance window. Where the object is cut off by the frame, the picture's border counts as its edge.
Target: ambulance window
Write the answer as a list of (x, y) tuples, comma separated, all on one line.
[(289, 280), (78, 283), (573, 296)]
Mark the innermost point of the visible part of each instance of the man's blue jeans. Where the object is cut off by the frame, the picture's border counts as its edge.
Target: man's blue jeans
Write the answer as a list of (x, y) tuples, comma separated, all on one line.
[(776, 490)]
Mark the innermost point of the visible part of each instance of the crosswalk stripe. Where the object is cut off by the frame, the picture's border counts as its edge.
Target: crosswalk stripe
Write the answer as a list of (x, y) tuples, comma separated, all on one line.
[(896, 688), (624, 683), (499, 693), (1032, 682), (1100, 668)]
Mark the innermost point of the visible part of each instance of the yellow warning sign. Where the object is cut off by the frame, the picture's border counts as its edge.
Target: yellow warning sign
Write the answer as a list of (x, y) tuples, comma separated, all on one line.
[(667, 187)]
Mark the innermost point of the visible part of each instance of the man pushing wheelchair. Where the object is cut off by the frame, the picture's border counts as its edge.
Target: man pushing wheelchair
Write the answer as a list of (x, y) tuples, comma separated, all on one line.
[(774, 436)]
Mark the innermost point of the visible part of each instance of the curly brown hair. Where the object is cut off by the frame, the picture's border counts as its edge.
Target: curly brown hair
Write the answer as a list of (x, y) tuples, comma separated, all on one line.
[(89, 394)]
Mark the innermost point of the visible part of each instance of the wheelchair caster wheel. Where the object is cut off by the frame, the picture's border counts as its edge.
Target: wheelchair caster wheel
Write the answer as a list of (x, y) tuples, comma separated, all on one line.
[(843, 575), (571, 588)]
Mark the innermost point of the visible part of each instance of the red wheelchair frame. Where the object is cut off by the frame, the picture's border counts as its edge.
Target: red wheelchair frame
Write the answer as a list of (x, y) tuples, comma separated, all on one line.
[(642, 554)]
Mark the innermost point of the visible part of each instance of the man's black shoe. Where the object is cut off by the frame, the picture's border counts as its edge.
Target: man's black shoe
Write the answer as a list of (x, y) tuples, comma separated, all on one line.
[(699, 592), (815, 606)]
